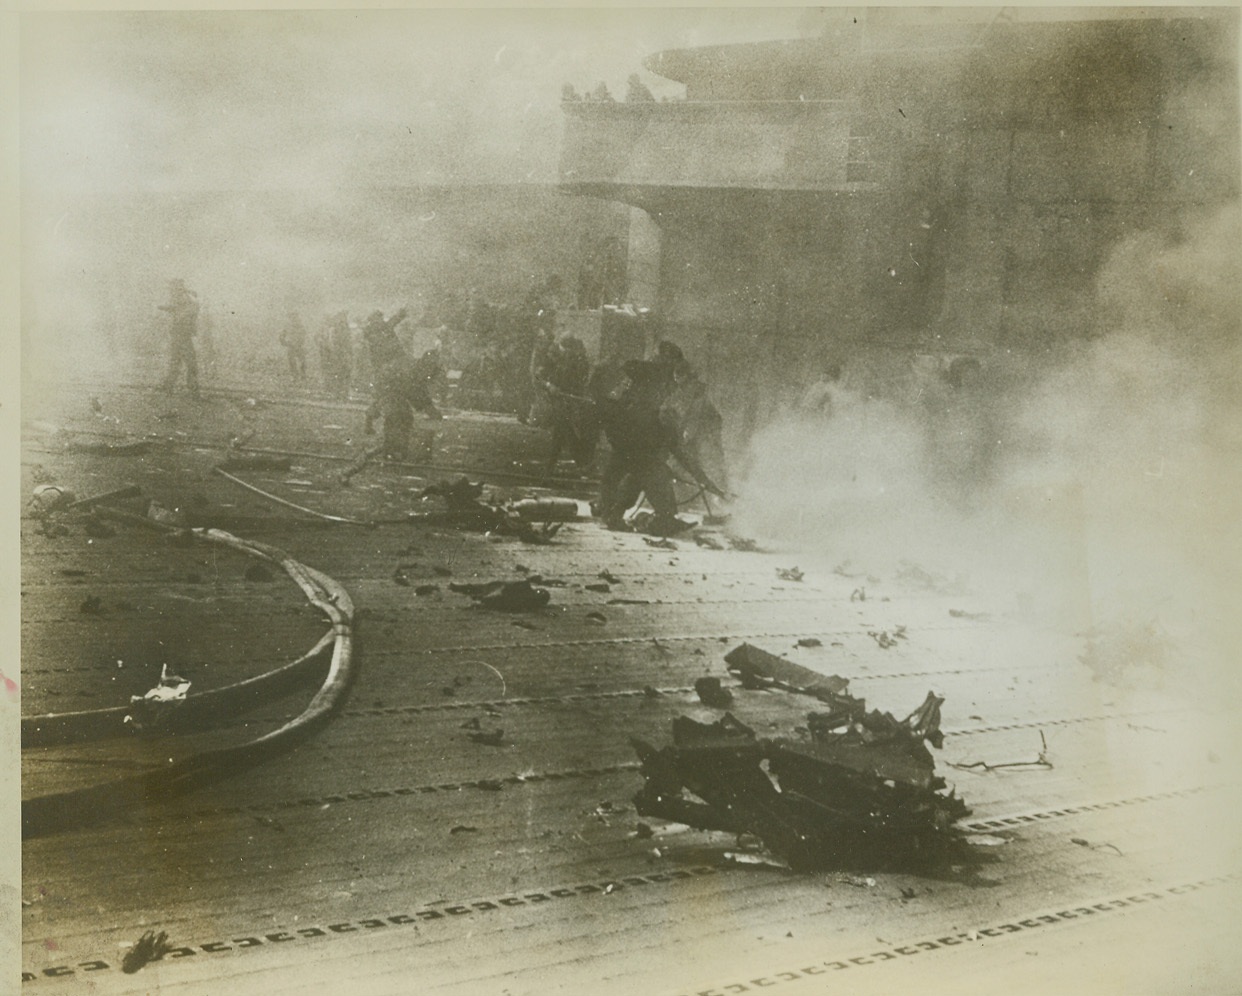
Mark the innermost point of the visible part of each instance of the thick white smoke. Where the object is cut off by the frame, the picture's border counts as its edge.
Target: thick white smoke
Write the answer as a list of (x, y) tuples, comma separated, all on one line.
[(1097, 488)]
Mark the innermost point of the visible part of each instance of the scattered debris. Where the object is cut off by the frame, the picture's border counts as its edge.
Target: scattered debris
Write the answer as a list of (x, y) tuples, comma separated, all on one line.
[(660, 544), (1040, 762), (857, 881), (743, 544), (707, 541), (908, 893), (809, 641), (789, 574), (153, 708), (505, 596), (757, 668), (1095, 847), (607, 575), (459, 491), (858, 595), (914, 574), (712, 694), (50, 498), (256, 461), (882, 639), (150, 947), (164, 516), (546, 510), (752, 861), (550, 582)]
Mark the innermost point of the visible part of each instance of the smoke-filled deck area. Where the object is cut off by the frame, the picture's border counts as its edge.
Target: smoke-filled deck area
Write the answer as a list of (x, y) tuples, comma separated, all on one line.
[(521, 505), (473, 793)]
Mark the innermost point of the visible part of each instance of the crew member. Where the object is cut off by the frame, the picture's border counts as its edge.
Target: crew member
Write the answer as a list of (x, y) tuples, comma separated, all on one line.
[(400, 390), (182, 308), (293, 338), (642, 439), (571, 413)]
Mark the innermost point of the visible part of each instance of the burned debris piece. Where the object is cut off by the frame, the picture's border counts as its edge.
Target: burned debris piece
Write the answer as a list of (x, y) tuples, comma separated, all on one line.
[(505, 596), (712, 694), (149, 947), (152, 709), (489, 738), (862, 788), (756, 668), (532, 520)]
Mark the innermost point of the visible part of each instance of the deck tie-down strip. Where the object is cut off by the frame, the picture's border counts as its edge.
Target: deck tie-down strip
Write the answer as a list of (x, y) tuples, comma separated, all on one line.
[(467, 910), (1013, 925), (534, 778)]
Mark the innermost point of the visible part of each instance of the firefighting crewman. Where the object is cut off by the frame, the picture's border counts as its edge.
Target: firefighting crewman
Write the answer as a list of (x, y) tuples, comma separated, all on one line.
[(641, 440), (401, 388)]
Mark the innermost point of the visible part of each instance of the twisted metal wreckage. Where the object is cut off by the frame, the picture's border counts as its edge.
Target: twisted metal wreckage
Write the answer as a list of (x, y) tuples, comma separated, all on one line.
[(862, 785)]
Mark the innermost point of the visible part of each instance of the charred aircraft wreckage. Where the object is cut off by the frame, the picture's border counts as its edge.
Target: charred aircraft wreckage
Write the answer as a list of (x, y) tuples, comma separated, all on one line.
[(851, 786)]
